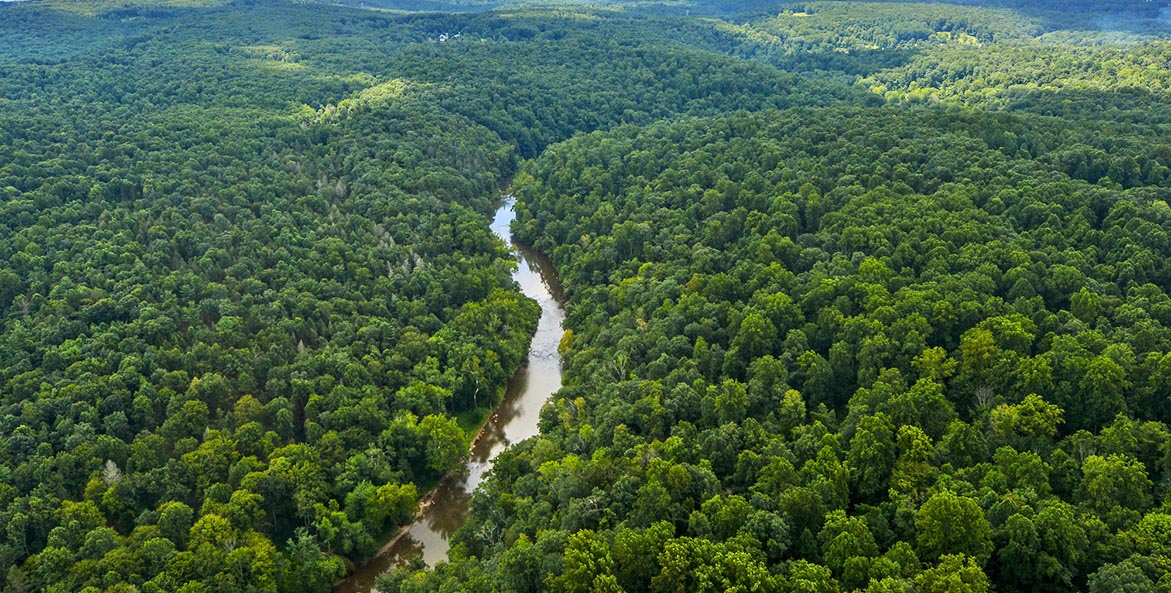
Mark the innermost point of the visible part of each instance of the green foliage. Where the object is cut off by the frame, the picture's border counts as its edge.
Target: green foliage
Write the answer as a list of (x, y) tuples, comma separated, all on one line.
[(954, 428), (949, 524), (816, 343), (954, 574)]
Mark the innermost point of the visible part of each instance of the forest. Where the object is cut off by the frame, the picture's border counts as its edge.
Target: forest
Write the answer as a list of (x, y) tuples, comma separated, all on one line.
[(862, 296)]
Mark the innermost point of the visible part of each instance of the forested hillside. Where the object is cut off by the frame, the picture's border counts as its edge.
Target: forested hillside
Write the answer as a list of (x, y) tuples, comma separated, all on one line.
[(840, 354), (862, 296), (252, 307), (232, 325)]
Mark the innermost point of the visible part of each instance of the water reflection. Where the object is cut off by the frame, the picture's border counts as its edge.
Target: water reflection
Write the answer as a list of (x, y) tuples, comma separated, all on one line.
[(513, 421)]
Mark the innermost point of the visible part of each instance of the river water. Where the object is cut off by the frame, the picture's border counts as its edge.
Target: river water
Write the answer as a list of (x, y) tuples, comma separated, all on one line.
[(514, 420)]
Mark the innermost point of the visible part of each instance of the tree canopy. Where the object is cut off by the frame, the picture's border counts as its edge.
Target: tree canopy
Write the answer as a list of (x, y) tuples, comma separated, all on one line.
[(862, 296)]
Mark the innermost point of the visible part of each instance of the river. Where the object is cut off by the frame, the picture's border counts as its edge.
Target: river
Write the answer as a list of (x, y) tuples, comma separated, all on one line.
[(515, 419)]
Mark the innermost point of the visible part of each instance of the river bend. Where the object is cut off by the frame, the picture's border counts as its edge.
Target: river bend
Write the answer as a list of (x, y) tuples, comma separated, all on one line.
[(515, 419)]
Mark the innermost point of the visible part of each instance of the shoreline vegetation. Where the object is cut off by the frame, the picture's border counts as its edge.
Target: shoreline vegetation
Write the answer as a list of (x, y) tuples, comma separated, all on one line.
[(425, 501), (867, 296), (521, 380)]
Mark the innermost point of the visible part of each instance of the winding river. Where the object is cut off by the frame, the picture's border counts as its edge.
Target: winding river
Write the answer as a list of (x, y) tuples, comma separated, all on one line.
[(446, 508)]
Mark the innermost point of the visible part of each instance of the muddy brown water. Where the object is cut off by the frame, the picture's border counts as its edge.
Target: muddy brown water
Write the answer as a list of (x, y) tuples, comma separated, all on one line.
[(515, 419)]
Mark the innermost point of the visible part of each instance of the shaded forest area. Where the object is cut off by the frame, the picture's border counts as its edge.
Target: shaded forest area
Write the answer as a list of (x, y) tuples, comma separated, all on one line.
[(863, 296)]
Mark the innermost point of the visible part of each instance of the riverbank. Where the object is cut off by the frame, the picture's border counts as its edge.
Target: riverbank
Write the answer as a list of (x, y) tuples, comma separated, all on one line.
[(444, 508), (425, 503)]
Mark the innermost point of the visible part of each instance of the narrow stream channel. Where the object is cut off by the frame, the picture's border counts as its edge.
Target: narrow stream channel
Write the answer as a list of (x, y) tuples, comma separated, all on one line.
[(514, 420)]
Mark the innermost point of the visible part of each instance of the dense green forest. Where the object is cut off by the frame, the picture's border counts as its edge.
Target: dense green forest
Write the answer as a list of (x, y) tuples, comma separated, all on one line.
[(819, 350), (863, 296)]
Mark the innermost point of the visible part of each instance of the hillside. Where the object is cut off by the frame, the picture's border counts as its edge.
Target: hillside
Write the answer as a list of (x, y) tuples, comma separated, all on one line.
[(862, 296)]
